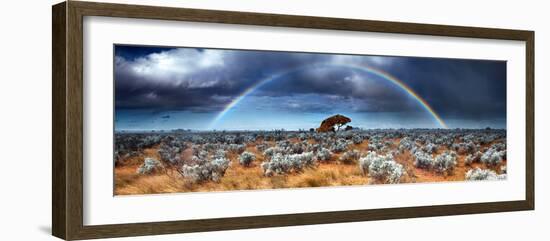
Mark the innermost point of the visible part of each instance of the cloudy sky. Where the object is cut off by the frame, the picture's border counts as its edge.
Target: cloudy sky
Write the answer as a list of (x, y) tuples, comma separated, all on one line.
[(192, 88)]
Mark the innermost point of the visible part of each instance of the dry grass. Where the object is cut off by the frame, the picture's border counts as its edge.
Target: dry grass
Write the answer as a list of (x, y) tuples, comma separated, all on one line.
[(237, 177)]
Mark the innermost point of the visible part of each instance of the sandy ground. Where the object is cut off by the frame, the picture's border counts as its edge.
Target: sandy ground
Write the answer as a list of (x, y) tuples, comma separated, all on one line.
[(237, 177)]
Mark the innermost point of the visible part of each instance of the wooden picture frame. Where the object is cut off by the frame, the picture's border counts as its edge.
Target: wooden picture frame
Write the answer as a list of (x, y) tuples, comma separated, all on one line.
[(67, 124)]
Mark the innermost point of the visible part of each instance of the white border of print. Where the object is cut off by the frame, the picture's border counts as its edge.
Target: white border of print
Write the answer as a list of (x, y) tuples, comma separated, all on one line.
[(100, 207)]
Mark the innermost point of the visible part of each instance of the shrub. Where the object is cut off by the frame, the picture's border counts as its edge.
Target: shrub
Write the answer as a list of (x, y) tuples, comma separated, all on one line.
[(246, 158), (202, 154), (297, 148), (381, 167), (323, 154), (405, 144), (429, 148), (170, 155), (213, 170), (299, 161), (349, 157), (237, 148), (357, 139), (339, 146), (459, 148), (423, 160), (219, 154), (472, 158), (277, 165), (269, 152), (491, 157), (365, 162), (149, 166), (470, 147), (197, 160), (375, 145), (478, 174), (261, 147), (502, 154), (445, 162), (456, 147), (312, 147), (499, 146), (219, 166), (283, 164)]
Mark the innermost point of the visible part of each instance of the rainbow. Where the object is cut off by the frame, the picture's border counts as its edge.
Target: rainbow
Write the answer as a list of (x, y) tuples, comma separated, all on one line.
[(367, 69)]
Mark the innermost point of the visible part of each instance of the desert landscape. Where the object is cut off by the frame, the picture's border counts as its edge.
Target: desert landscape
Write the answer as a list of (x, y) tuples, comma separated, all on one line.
[(191, 161), (190, 119)]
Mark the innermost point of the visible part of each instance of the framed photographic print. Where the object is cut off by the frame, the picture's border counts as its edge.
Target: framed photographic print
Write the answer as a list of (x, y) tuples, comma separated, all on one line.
[(287, 120)]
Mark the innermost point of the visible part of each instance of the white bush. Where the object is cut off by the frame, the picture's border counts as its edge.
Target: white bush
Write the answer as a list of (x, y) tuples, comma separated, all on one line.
[(339, 146), (171, 155), (202, 154), (269, 152), (297, 148), (499, 146), (445, 162), (149, 166), (357, 139), (246, 158), (491, 157), (502, 154), (375, 145), (219, 166), (429, 148), (213, 170), (470, 147), (278, 164), (406, 144), (478, 174), (349, 157), (423, 160), (237, 148), (261, 147), (364, 162), (283, 164), (381, 167), (472, 158), (323, 155), (299, 161), (219, 154)]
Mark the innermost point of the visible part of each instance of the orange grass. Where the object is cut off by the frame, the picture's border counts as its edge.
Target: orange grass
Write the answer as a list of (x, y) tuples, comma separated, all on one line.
[(237, 177)]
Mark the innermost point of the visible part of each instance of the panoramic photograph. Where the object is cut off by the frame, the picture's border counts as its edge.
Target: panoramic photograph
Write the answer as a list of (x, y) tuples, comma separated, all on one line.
[(190, 119)]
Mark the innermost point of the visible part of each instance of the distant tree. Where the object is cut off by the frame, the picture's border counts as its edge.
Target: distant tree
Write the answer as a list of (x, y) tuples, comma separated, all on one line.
[(333, 123)]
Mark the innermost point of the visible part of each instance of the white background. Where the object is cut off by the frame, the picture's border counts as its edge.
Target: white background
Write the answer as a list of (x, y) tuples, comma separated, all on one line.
[(26, 120)]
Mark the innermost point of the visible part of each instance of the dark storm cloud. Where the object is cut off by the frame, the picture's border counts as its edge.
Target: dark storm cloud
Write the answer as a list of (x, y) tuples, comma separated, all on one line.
[(205, 80), (370, 93), (458, 88), (195, 79)]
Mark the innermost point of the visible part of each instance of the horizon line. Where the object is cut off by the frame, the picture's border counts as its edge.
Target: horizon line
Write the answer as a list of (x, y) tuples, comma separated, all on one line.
[(305, 130)]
